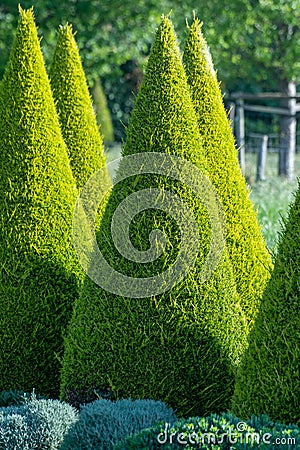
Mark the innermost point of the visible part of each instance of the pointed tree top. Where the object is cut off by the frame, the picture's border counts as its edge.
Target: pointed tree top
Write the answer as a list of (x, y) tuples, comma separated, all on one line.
[(26, 51), (197, 48), (66, 41), (165, 32), (26, 14), (163, 118), (27, 22), (74, 106), (66, 31)]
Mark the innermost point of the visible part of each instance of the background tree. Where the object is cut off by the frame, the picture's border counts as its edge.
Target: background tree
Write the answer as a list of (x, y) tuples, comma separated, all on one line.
[(102, 113), (254, 43)]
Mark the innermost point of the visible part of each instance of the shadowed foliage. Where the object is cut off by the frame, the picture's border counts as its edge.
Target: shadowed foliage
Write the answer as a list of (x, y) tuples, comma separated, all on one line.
[(269, 377)]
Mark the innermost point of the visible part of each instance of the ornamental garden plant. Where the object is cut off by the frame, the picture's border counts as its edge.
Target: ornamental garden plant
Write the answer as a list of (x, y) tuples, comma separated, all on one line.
[(74, 106), (131, 366), (268, 379), (246, 247), (102, 113), (39, 270), (195, 332)]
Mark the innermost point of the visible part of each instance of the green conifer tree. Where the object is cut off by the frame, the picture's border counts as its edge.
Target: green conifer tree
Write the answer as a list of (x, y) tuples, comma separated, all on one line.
[(268, 381), (103, 113), (39, 270), (181, 345), (250, 258), (74, 107)]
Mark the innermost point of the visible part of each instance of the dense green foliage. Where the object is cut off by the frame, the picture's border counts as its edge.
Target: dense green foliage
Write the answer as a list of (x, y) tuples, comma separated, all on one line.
[(103, 423), (15, 398), (74, 107), (39, 275), (222, 432), (268, 380), (38, 424), (249, 256), (103, 113), (179, 346)]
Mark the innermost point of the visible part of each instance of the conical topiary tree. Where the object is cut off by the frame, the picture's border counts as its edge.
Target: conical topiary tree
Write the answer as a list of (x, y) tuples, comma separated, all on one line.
[(250, 258), (268, 381), (103, 113), (40, 273), (74, 107), (180, 345)]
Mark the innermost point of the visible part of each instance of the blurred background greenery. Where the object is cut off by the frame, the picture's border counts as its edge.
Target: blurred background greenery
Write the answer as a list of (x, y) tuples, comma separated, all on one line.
[(254, 43)]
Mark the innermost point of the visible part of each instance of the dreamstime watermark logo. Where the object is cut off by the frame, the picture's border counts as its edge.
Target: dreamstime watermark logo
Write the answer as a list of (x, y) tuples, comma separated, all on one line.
[(99, 185), (242, 434)]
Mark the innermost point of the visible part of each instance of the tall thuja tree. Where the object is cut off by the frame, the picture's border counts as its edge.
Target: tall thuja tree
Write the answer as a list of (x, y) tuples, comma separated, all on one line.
[(74, 107), (181, 345), (103, 113), (248, 253), (269, 377), (39, 275)]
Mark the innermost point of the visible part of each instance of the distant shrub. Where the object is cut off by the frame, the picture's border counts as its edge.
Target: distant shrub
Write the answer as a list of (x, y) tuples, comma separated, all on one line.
[(103, 423), (103, 113), (219, 432), (37, 424)]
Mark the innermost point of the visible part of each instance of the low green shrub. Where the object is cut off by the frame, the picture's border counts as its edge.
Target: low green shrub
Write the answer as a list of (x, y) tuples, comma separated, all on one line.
[(15, 398), (37, 424), (103, 423), (218, 432)]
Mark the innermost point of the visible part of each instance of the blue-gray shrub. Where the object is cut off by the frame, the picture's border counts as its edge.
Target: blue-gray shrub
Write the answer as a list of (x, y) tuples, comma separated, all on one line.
[(37, 424), (103, 423)]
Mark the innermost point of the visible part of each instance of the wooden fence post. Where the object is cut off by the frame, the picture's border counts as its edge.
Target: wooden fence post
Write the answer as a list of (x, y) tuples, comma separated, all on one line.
[(288, 125), (240, 132), (231, 115), (261, 158)]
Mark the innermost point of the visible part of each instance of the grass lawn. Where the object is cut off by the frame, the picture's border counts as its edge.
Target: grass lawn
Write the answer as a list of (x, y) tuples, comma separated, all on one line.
[(271, 197)]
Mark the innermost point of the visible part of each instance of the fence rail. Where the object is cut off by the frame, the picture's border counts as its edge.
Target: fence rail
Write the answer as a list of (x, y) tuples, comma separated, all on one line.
[(288, 111)]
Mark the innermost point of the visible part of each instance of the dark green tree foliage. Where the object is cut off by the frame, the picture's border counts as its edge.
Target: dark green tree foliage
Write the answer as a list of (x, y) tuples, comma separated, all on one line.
[(74, 107), (269, 377), (179, 346), (250, 258), (37, 192), (103, 113)]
